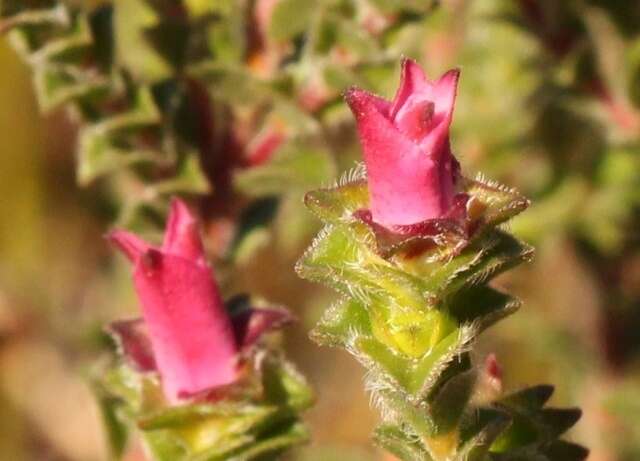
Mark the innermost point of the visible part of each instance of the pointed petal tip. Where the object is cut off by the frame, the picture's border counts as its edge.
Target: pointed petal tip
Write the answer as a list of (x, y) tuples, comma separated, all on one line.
[(350, 93), (109, 237), (452, 75), (412, 79), (447, 84), (355, 99), (456, 71), (253, 323), (179, 211), (446, 90), (409, 64), (412, 75), (128, 243), (411, 69), (112, 236), (133, 343), (182, 235), (178, 203), (361, 102)]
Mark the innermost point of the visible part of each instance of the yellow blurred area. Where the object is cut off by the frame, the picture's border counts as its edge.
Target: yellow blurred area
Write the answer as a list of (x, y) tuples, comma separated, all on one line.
[(46, 409), (22, 228)]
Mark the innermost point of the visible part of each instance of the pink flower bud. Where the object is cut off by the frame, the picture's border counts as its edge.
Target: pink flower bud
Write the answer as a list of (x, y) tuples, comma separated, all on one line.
[(493, 374), (410, 168), (263, 146), (191, 335)]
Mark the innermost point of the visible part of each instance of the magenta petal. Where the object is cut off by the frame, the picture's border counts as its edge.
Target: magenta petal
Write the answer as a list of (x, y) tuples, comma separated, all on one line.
[(448, 172), (425, 114), (261, 151), (445, 91), (252, 323), (182, 237), (133, 341), (382, 105), (417, 120), (191, 334), (411, 171), (441, 92), (443, 95), (412, 80), (130, 244), (414, 83), (404, 182)]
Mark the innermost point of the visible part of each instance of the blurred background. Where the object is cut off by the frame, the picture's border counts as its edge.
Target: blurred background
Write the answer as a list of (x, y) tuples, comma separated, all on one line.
[(109, 108)]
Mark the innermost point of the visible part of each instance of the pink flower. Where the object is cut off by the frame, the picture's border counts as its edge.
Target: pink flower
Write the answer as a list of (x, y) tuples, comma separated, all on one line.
[(265, 144), (410, 168), (191, 341)]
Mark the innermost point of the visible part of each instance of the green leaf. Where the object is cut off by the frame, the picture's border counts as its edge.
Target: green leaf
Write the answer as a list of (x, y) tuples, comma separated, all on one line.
[(356, 40), (479, 431), (339, 203), (290, 18), (448, 406), (565, 451), (528, 400), (232, 84), (100, 145), (557, 421), (16, 14), (227, 39), (116, 428), (253, 221), (60, 85), (124, 383), (188, 178), (206, 7), (488, 257), (185, 414), (497, 203), (400, 444), (164, 446), (481, 305), (98, 157), (284, 385), (266, 448), (533, 425), (131, 20), (341, 257), (293, 167), (222, 451), (341, 322), (73, 47), (414, 377), (395, 6), (414, 415)]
